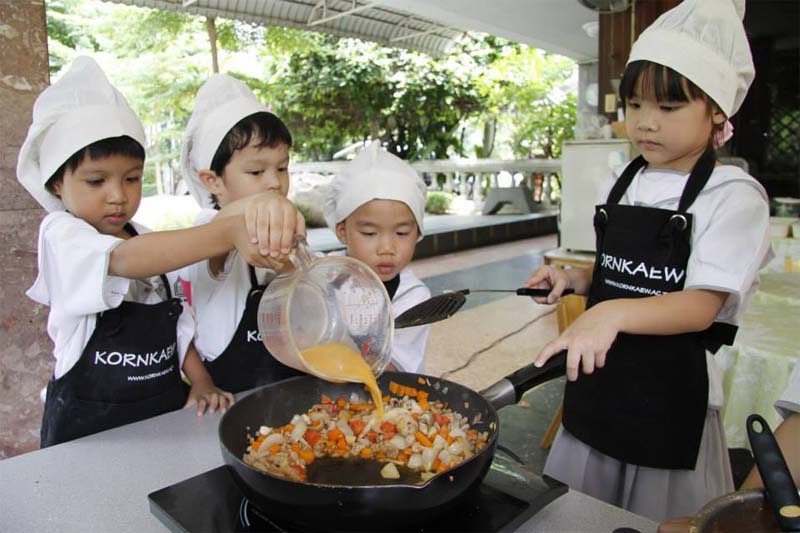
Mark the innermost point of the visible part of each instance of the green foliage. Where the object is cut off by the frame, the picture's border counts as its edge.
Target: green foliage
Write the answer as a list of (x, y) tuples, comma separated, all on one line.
[(331, 92), (438, 202), (345, 90), (308, 216)]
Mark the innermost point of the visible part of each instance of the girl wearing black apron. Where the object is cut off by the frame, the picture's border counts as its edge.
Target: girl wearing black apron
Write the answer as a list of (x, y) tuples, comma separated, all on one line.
[(638, 430)]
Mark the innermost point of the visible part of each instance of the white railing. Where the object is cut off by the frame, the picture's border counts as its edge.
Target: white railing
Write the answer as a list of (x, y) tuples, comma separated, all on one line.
[(461, 175)]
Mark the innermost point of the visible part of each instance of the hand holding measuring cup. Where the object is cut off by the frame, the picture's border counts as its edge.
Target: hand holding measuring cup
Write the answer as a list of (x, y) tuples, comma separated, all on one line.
[(326, 300)]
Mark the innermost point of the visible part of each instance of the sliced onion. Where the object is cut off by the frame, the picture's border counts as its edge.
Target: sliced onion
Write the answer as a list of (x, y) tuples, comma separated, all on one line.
[(456, 447), (445, 457), (428, 457), (269, 442), (399, 442), (457, 432), (389, 471), (298, 431), (415, 461)]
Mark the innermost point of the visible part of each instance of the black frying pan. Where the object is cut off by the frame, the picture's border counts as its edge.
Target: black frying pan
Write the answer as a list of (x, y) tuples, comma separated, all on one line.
[(366, 506)]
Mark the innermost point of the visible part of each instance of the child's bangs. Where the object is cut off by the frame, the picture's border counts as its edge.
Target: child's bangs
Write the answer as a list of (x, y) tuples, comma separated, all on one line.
[(123, 146), (264, 126), (645, 79)]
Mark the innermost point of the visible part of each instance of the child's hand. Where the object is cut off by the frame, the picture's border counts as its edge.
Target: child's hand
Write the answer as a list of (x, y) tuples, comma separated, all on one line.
[(587, 340), (272, 222), (548, 277), (208, 397)]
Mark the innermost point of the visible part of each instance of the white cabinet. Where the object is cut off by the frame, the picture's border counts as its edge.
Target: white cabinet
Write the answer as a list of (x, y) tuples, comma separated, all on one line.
[(586, 174)]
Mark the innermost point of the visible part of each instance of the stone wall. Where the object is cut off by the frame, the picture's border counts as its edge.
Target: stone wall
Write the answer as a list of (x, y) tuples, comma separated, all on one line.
[(25, 349)]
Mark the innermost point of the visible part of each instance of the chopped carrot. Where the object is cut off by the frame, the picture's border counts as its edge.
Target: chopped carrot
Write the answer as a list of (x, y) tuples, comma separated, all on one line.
[(388, 427), (436, 464), (442, 420), (306, 455), (312, 437), (423, 439), (472, 432), (445, 435), (366, 452), (357, 425), (274, 449), (361, 406), (372, 436), (441, 468), (423, 403), (257, 443), (335, 434), (421, 381), (394, 388), (325, 399), (341, 402), (380, 456), (415, 416), (288, 428), (341, 444)]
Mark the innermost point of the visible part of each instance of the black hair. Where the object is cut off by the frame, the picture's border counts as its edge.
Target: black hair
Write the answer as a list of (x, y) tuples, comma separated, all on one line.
[(264, 126), (665, 83), (124, 146)]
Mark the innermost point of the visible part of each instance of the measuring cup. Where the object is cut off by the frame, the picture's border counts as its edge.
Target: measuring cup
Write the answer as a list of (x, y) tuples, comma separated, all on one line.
[(329, 299)]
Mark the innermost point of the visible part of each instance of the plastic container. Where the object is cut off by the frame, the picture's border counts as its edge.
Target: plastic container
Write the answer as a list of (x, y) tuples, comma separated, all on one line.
[(330, 299)]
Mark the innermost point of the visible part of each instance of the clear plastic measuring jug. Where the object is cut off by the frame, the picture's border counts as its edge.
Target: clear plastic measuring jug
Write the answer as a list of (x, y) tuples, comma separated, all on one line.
[(331, 299)]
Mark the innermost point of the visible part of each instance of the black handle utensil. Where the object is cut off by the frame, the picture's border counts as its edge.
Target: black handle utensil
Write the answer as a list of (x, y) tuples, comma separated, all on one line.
[(524, 291), (778, 483), (445, 305)]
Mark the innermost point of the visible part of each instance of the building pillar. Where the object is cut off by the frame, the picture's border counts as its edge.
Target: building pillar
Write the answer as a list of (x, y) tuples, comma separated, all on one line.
[(25, 349)]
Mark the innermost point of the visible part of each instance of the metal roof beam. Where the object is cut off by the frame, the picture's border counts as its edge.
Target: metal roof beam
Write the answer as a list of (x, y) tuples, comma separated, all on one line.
[(352, 11), (418, 33)]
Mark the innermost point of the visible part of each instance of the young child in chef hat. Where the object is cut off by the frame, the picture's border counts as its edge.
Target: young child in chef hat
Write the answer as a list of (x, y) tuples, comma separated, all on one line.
[(376, 205), (233, 149), (680, 241), (121, 339)]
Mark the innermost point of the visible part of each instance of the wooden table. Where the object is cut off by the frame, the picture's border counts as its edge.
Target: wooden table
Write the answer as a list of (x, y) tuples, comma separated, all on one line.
[(561, 257)]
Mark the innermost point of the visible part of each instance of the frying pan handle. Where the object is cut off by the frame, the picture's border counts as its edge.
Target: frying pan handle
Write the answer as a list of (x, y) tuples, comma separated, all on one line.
[(509, 390), (781, 492), (525, 291)]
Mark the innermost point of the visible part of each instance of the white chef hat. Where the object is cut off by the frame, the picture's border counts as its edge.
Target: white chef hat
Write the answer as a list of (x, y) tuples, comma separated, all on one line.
[(221, 102), (374, 174), (81, 108), (705, 41)]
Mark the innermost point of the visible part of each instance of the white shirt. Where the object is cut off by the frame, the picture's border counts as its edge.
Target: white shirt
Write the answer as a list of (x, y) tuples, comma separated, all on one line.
[(410, 344), (73, 280), (218, 302), (789, 402), (730, 230)]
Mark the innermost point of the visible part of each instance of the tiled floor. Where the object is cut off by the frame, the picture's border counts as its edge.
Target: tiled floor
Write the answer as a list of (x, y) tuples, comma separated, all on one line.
[(495, 334)]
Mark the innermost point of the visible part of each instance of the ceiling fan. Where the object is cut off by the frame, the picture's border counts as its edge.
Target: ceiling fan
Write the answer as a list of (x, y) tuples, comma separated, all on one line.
[(606, 6)]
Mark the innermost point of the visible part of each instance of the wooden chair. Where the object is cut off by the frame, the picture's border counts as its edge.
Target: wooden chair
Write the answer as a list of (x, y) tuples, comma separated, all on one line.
[(568, 309)]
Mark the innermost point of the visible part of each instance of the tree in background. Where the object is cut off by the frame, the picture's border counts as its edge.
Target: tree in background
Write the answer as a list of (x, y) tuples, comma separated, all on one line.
[(332, 92)]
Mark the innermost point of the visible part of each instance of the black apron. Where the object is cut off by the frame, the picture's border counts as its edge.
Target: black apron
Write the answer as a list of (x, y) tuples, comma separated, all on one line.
[(128, 371), (648, 405), (246, 363)]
